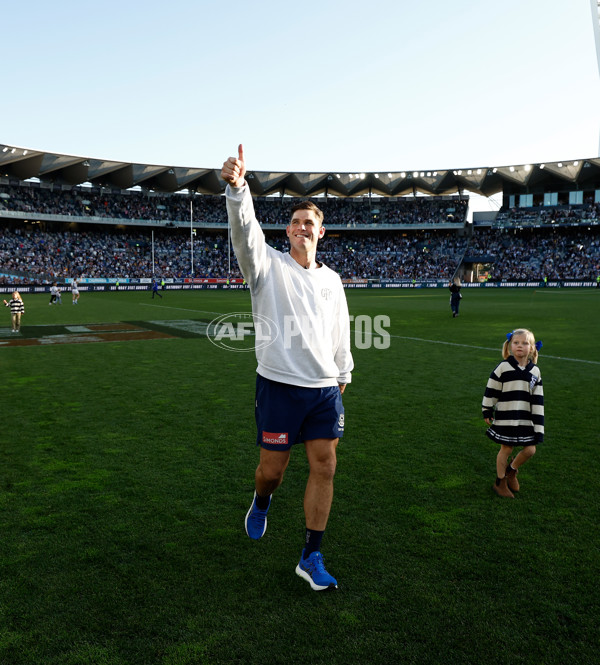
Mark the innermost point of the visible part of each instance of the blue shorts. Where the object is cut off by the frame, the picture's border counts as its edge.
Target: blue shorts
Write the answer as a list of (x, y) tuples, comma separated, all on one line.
[(287, 414)]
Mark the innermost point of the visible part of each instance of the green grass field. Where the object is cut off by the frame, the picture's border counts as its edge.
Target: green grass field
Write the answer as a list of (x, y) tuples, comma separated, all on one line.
[(127, 469)]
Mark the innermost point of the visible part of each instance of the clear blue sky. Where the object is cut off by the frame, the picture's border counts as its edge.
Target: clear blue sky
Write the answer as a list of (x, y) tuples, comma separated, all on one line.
[(375, 85)]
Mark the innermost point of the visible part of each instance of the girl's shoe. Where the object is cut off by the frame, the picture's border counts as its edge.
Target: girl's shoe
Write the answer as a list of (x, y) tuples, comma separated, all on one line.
[(501, 488), (511, 478)]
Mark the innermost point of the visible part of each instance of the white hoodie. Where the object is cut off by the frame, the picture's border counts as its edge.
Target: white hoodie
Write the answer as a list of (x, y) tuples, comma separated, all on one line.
[(308, 307)]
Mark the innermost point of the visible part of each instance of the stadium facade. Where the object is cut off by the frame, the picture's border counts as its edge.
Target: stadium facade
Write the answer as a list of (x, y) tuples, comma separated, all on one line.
[(523, 179)]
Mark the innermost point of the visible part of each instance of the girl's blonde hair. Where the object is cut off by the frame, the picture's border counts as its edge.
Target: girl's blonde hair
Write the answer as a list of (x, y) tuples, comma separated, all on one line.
[(533, 352), (16, 295)]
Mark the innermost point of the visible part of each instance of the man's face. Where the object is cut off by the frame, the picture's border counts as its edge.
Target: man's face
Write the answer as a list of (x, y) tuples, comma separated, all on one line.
[(304, 231)]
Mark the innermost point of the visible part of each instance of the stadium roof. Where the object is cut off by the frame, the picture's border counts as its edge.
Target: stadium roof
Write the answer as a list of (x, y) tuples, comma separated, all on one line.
[(24, 163)]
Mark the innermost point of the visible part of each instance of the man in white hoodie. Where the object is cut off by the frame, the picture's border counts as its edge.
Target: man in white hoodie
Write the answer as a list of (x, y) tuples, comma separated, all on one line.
[(303, 371)]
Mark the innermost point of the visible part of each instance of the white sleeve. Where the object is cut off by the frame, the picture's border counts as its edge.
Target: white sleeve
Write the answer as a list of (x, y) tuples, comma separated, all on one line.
[(247, 237)]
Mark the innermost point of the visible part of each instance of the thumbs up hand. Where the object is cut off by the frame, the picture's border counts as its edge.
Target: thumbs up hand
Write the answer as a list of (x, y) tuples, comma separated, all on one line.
[(234, 169)]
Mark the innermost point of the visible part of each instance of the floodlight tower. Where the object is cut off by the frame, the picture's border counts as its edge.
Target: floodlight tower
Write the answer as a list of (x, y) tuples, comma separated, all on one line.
[(595, 5)]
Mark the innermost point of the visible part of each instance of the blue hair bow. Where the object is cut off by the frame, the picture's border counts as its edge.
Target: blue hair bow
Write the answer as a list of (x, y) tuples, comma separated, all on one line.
[(538, 345)]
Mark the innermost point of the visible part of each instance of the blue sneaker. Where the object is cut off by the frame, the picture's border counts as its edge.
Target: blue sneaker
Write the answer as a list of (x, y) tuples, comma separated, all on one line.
[(256, 520), (312, 569)]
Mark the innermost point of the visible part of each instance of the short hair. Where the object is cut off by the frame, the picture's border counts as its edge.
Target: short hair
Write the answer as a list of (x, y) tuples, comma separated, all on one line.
[(533, 352), (308, 205)]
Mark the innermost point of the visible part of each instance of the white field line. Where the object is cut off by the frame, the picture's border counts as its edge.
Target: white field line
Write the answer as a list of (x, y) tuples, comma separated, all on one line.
[(488, 348), (183, 309), (413, 339)]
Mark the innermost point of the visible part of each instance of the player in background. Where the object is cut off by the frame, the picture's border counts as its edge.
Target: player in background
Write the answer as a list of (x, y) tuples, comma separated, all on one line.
[(155, 291), (75, 292), (55, 297), (455, 295), (302, 374)]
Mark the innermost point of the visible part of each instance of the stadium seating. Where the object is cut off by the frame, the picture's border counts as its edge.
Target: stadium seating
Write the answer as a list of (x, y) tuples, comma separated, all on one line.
[(559, 247)]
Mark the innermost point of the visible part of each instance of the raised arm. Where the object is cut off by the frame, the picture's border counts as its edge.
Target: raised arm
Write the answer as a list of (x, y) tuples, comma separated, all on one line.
[(247, 236)]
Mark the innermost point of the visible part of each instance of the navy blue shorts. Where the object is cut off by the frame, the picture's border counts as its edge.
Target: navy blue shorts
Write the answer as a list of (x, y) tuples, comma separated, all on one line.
[(287, 414)]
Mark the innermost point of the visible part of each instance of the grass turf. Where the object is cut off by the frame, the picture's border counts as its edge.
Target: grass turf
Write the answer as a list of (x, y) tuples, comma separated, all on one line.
[(127, 469)]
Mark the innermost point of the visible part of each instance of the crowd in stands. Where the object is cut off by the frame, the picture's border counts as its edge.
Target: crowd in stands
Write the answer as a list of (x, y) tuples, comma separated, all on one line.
[(81, 202), (59, 255), (420, 255), (532, 255), (560, 215), (352, 213), (49, 252)]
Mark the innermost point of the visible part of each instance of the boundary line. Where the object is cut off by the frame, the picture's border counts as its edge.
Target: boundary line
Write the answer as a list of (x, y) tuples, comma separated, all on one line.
[(184, 309), (414, 339), (488, 348)]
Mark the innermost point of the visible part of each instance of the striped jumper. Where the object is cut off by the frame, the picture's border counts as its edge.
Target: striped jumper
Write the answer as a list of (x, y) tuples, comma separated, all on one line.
[(16, 306), (514, 398)]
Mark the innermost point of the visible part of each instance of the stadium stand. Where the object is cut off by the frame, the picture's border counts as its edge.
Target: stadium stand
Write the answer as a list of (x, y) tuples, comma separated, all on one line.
[(561, 215), (521, 244), (136, 205)]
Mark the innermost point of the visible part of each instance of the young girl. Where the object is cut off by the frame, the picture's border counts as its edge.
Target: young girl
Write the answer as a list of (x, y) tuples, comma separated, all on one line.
[(513, 407), (17, 309)]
